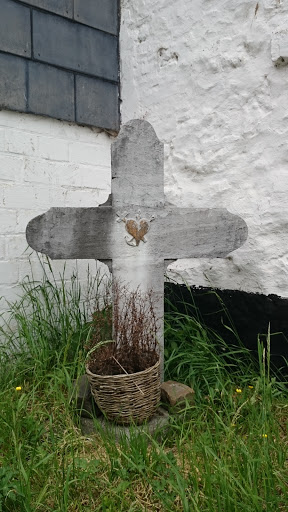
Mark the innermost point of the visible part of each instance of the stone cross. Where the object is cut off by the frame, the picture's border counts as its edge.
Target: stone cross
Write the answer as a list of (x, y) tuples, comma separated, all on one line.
[(135, 230)]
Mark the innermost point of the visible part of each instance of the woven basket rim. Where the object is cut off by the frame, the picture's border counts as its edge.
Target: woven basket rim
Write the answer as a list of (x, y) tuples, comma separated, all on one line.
[(122, 375)]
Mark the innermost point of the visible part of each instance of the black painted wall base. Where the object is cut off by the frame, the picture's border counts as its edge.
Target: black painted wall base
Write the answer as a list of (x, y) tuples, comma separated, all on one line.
[(250, 314)]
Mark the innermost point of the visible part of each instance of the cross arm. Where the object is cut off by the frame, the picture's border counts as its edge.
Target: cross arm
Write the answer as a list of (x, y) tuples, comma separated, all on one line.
[(196, 233), (68, 233)]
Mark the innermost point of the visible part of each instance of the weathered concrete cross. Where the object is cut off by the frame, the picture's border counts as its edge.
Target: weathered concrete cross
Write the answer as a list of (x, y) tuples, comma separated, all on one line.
[(135, 229)]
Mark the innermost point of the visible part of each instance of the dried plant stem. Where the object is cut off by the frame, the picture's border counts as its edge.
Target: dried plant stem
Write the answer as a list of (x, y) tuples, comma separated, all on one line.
[(133, 324)]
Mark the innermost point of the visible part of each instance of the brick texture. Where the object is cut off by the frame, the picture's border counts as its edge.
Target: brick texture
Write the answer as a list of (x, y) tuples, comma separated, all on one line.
[(8, 272), (7, 220), (16, 244), (19, 196), (21, 142), (85, 153), (52, 149), (11, 167), (45, 163)]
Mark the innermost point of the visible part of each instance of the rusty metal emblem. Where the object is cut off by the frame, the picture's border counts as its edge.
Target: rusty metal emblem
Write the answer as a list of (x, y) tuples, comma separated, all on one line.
[(137, 228)]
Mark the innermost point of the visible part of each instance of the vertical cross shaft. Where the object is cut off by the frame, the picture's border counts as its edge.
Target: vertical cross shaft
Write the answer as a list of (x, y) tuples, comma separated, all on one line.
[(138, 184)]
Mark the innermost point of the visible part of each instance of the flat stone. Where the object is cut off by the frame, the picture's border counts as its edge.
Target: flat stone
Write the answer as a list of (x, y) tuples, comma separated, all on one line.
[(15, 29), (98, 14), (13, 82), (85, 404), (175, 393), (45, 82), (62, 7), (60, 42), (97, 103), (158, 423)]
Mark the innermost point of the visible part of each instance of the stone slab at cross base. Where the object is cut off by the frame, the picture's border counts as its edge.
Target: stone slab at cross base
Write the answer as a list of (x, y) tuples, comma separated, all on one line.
[(158, 424)]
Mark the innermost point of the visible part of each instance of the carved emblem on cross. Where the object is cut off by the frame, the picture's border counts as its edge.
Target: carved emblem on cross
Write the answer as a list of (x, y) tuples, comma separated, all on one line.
[(64, 233), (137, 228)]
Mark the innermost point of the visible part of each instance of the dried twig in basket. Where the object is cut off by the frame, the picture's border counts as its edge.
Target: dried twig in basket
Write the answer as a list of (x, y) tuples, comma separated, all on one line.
[(134, 327), (127, 374)]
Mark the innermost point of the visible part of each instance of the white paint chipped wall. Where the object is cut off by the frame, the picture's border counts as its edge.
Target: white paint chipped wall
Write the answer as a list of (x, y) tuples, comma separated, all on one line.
[(202, 73), (44, 163)]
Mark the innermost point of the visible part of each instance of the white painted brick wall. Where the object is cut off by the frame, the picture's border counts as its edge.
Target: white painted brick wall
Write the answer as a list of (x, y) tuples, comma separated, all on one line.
[(44, 163), (202, 73), (9, 272)]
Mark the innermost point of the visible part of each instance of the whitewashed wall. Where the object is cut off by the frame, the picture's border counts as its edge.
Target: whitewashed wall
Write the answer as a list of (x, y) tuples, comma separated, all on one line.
[(44, 163), (201, 72)]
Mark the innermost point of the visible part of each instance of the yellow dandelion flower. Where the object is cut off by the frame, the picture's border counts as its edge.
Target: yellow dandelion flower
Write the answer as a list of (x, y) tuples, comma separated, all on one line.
[(238, 390), (264, 435), (250, 387), (18, 388)]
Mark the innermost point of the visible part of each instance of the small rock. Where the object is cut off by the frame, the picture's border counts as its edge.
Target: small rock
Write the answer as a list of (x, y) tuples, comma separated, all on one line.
[(85, 403), (175, 393)]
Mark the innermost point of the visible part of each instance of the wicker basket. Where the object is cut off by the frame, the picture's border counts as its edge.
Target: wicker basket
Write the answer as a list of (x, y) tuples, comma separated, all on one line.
[(127, 399)]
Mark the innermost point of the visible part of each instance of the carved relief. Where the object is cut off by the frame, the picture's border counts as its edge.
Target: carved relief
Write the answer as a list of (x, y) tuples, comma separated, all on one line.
[(136, 227)]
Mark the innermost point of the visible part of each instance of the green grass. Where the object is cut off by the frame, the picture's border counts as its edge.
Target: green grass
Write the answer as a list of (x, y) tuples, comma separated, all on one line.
[(226, 452)]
